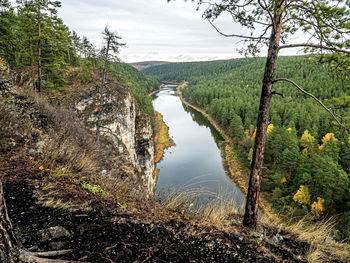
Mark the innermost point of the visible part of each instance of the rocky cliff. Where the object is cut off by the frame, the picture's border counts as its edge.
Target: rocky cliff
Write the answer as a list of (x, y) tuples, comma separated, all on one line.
[(128, 127), (124, 125)]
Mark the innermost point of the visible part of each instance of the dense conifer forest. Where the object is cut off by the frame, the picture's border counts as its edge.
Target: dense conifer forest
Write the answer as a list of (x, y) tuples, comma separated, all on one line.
[(66, 179), (307, 157), (64, 55)]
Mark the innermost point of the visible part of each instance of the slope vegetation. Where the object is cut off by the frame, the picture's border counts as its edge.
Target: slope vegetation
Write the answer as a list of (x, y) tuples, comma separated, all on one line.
[(307, 154)]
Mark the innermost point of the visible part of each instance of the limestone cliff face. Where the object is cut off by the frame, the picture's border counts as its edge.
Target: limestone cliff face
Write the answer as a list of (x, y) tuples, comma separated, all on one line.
[(125, 124)]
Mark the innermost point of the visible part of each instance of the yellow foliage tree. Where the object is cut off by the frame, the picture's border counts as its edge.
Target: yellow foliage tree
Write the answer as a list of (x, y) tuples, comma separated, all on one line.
[(4, 67), (317, 208), (307, 140), (250, 155), (326, 138), (302, 196), (270, 128), (253, 136), (246, 134)]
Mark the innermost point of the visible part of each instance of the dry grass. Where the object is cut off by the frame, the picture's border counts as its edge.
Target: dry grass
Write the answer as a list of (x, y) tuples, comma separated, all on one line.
[(218, 210), (182, 200), (320, 235), (69, 150), (68, 145), (200, 203)]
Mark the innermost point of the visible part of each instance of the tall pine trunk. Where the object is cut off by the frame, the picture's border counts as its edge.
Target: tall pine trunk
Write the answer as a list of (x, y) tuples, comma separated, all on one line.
[(32, 65), (39, 46), (252, 205)]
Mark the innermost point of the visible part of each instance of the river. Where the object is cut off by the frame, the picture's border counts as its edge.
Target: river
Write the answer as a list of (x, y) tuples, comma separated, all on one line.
[(195, 161)]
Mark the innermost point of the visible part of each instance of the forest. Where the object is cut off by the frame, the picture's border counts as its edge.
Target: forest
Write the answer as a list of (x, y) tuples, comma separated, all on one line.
[(55, 53), (307, 156), (107, 215)]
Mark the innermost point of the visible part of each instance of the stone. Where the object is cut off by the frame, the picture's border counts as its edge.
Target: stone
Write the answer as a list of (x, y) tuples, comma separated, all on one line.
[(54, 233), (58, 245), (257, 234), (32, 151), (239, 235), (276, 239)]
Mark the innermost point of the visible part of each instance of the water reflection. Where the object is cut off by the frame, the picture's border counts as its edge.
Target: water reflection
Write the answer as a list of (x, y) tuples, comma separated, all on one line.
[(195, 161)]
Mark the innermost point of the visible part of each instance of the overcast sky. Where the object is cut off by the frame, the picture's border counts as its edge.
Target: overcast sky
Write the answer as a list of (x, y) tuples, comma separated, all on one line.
[(153, 29)]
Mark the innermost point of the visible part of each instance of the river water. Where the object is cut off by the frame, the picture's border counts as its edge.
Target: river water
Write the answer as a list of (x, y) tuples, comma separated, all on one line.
[(195, 161)]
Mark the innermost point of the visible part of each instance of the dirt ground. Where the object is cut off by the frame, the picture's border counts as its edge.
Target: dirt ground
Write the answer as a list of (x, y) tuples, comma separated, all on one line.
[(110, 232)]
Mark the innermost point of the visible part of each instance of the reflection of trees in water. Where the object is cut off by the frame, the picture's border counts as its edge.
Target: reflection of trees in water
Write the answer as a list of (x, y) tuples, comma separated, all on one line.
[(168, 90), (203, 121)]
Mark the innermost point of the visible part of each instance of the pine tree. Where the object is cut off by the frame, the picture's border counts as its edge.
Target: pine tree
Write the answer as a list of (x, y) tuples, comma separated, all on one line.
[(109, 52), (8, 44), (38, 18), (327, 23)]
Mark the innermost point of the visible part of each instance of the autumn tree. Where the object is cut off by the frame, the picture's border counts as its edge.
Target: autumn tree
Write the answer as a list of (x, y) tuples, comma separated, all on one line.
[(272, 23)]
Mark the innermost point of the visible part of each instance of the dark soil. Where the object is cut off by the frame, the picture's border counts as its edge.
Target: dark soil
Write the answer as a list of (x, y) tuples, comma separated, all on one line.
[(110, 233)]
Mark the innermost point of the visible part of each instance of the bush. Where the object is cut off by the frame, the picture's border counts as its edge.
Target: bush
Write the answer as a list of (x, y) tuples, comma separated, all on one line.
[(85, 76)]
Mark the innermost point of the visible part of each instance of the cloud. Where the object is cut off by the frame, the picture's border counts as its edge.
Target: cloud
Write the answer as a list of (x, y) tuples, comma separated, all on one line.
[(152, 29)]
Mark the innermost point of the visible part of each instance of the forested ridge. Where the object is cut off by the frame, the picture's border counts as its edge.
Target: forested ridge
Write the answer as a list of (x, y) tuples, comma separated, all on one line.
[(140, 85), (307, 157), (69, 186), (64, 56)]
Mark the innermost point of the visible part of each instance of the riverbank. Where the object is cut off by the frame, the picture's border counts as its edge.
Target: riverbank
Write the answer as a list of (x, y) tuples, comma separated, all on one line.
[(157, 90), (162, 139), (237, 174)]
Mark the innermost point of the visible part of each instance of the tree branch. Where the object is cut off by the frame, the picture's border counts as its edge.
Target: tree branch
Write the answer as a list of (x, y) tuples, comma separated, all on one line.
[(234, 35), (29, 257), (314, 97), (316, 46), (276, 93), (269, 13)]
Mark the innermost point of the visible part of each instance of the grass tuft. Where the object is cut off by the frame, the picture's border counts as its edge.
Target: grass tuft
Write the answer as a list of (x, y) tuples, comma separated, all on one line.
[(320, 235)]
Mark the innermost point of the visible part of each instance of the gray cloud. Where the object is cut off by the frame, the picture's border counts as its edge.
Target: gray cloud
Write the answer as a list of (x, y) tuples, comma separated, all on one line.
[(153, 29)]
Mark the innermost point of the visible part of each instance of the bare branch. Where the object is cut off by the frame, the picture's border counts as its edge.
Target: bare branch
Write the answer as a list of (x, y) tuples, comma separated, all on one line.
[(234, 35), (276, 93), (316, 46), (30, 257), (314, 97), (269, 13), (52, 253)]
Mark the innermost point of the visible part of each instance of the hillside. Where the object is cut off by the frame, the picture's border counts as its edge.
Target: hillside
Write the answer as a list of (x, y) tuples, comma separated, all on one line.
[(78, 153), (140, 85), (147, 64), (306, 152), (61, 199)]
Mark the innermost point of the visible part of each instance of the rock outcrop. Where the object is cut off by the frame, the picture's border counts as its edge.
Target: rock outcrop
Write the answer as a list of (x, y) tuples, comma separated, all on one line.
[(122, 122)]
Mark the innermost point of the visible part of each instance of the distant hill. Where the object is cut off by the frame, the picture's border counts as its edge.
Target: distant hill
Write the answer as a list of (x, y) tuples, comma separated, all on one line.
[(147, 64)]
